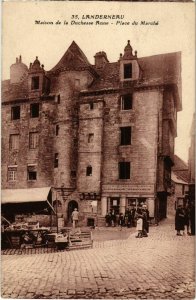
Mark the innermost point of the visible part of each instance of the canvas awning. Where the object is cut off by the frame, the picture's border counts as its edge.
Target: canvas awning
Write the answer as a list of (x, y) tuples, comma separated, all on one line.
[(25, 195)]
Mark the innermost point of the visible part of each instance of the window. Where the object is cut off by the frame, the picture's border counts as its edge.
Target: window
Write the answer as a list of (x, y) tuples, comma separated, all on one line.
[(127, 71), (33, 140), (90, 137), (15, 112), (35, 83), (58, 99), (32, 175), (125, 138), (73, 174), (56, 160), (124, 170), (34, 108), (91, 105), (14, 141), (89, 171), (126, 102), (12, 173), (77, 83), (31, 172), (57, 130)]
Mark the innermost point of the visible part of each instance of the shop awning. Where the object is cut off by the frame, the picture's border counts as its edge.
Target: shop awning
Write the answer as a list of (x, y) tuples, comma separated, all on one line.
[(24, 195)]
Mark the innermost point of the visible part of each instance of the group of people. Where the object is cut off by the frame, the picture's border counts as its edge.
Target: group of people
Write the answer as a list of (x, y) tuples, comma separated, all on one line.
[(185, 219), (138, 218), (115, 219)]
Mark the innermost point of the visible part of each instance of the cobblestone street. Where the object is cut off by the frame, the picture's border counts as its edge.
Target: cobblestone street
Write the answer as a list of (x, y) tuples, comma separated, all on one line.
[(158, 267)]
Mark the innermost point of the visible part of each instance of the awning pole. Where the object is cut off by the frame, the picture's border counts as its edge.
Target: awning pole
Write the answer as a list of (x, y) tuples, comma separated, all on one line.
[(51, 206)]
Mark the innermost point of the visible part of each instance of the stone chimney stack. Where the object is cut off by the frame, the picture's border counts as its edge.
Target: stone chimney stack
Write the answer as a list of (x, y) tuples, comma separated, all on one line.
[(100, 59)]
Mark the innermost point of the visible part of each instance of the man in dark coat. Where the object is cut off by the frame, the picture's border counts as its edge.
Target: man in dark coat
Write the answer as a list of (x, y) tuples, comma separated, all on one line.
[(179, 220), (145, 214), (192, 218)]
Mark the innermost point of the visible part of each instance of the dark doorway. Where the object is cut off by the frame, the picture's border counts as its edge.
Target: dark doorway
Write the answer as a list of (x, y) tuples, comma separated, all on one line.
[(72, 204)]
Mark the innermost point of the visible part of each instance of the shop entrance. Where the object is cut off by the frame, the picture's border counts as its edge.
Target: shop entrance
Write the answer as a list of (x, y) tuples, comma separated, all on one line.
[(115, 205), (71, 205)]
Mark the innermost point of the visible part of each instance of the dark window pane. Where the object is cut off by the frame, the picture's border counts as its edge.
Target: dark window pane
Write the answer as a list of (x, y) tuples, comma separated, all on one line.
[(125, 136), (56, 160), (127, 71), (34, 110), (32, 175), (89, 171), (91, 105), (35, 83), (124, 170), (15, 112), (127, 102)]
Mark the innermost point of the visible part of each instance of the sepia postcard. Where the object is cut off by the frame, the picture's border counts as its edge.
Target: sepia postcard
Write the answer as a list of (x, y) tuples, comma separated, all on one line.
[(98, 150)]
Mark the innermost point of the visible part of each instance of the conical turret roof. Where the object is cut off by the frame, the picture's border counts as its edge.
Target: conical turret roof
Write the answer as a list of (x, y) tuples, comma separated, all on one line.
[(73, 59)]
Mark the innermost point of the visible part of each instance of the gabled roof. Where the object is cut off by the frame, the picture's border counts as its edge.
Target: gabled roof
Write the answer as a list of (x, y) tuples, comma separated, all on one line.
[(180, 169), (73, 58)]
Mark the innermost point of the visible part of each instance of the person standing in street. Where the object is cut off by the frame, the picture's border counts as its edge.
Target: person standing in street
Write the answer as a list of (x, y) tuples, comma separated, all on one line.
[(75, 217), (187, 217), (192, 218), (145, 214), (179, 220)]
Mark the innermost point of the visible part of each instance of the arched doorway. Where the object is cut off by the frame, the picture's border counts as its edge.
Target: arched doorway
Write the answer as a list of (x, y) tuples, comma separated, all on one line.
[(71, 205)]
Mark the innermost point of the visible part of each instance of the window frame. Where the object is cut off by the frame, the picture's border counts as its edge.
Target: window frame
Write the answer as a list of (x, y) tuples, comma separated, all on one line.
[(125, 140), (89, 171), (125, 72), (11, 142), (35, 83), (14, 114), (123, 174), (33, 140), (123, 100), (13, 174), (56, 160), (33, 114)]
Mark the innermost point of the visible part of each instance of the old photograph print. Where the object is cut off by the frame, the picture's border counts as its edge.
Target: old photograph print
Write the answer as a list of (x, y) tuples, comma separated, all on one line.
[(97, 151)]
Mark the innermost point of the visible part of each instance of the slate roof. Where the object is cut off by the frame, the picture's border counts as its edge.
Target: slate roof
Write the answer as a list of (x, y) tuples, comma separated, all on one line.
[(72, 59), (156, 70), (14, 91), (180, 169)]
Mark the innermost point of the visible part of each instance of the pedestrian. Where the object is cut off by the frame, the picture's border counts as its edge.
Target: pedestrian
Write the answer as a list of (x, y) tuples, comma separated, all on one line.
[(192, 218), (145, 217), (187, 218), (121, 220), (107, 219), (75, 217), (139, 226), (179, 220)]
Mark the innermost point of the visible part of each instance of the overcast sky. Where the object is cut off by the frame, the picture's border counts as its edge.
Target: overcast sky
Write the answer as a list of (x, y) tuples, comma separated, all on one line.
[(175, 32)]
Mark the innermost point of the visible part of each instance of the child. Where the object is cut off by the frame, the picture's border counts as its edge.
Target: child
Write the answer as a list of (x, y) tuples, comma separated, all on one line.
[(139, 226)]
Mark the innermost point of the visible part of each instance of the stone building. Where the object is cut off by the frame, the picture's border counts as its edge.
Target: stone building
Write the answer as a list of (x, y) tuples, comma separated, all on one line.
[(191, 162), (179, 185), (100, 136)]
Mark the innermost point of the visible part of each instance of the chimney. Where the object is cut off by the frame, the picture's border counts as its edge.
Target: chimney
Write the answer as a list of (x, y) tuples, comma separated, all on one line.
[(100, 59)]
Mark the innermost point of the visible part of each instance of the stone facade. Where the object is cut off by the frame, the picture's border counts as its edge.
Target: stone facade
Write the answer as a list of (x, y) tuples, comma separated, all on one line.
[(103, 135)]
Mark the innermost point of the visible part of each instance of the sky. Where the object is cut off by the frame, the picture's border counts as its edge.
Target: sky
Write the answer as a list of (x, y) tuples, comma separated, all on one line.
[(175, 32)]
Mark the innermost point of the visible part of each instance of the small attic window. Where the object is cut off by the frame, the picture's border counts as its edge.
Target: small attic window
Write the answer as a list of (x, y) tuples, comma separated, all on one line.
[(127, 71), (35, 83), (91, 105)]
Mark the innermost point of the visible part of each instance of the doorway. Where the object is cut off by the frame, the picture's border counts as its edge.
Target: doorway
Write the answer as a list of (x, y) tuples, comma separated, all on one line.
[(71, 205)]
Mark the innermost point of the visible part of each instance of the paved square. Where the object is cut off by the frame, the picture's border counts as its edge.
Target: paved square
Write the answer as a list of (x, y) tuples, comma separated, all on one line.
[(160, 266)]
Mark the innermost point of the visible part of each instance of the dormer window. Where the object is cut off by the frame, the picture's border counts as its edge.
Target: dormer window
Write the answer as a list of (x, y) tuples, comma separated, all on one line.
[(35, 83), (127, 71)]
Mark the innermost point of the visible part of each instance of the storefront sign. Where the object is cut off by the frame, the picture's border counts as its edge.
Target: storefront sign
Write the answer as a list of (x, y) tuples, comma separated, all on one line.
[(133, 189)]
